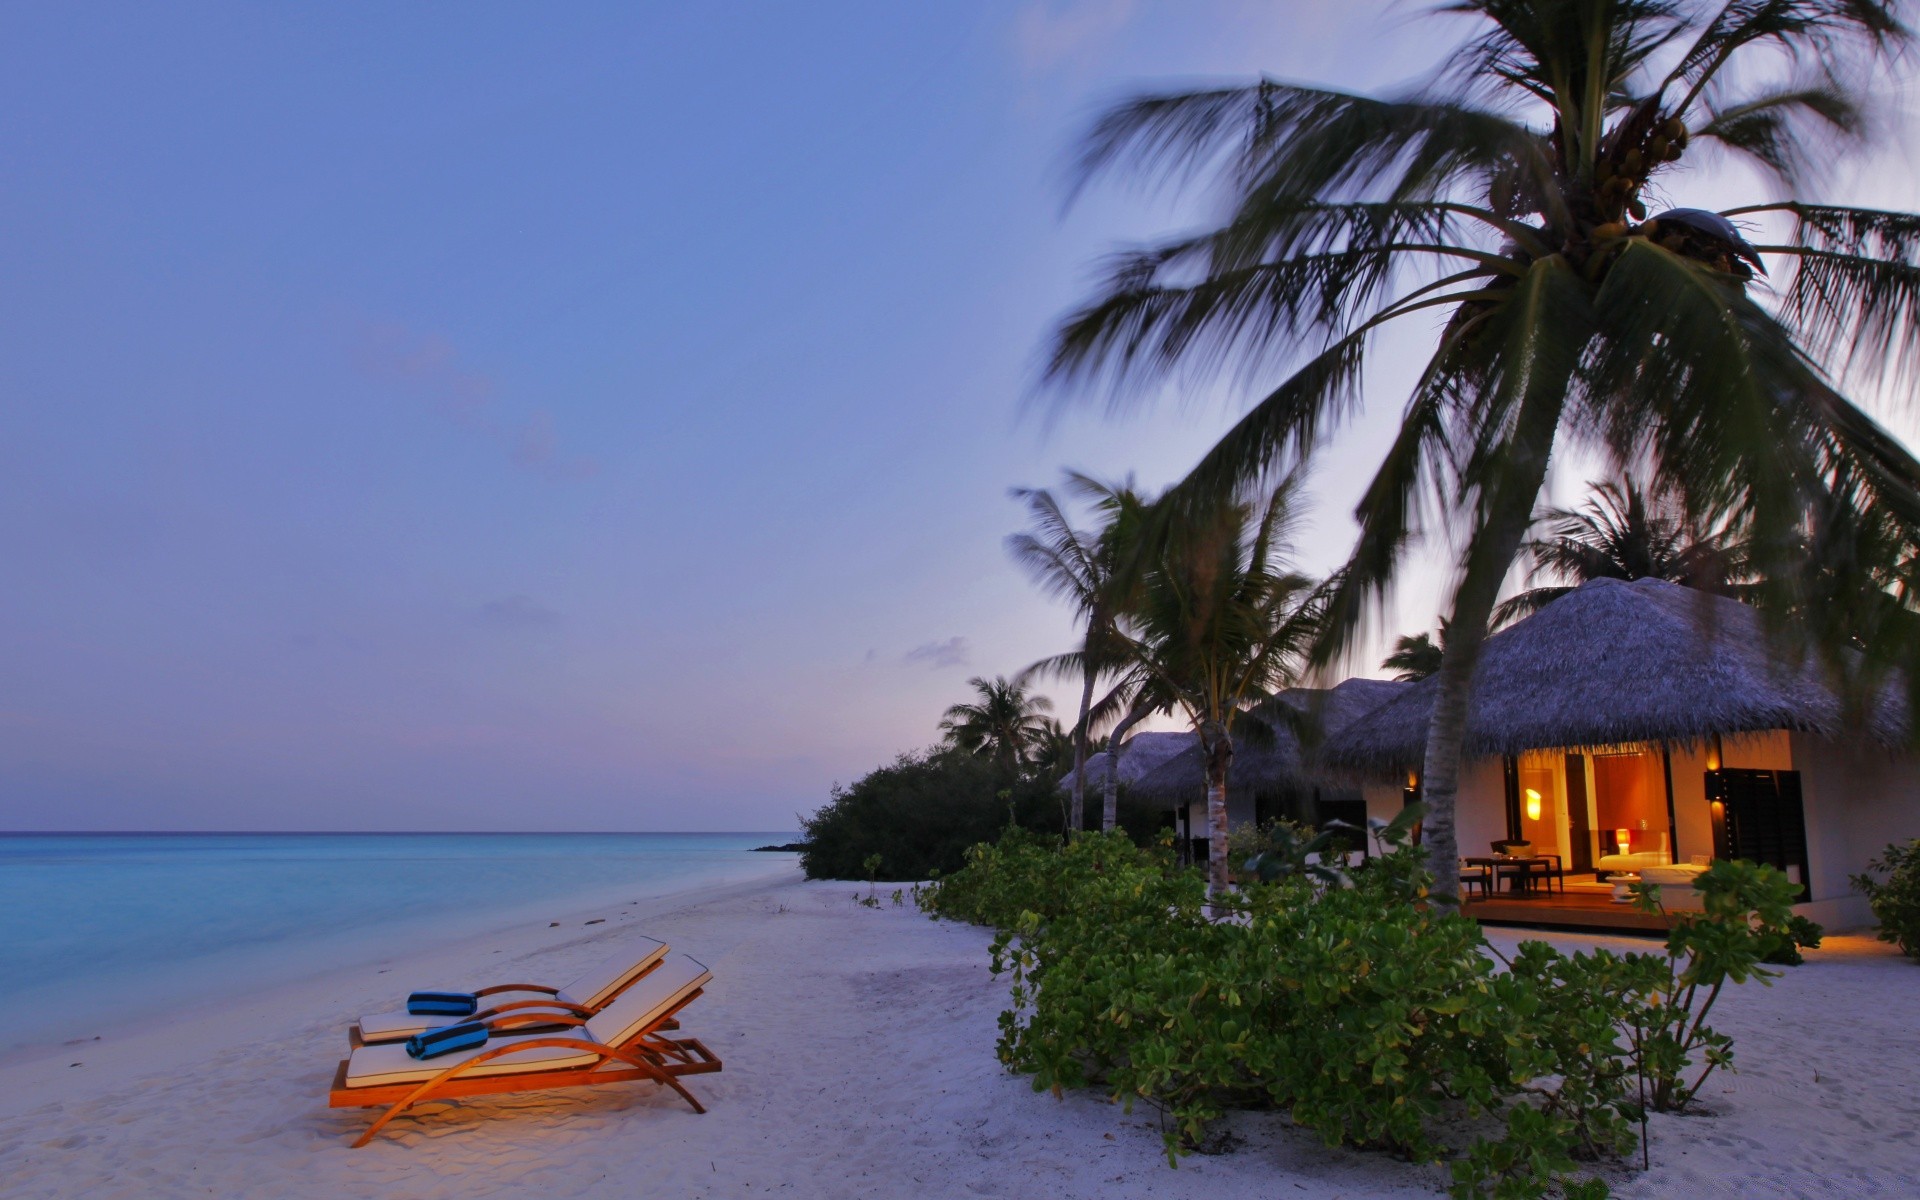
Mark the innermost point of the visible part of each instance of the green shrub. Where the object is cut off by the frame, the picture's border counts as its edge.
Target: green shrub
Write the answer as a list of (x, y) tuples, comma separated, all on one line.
[(1367, 1014), (1896, 902), (921, 812)]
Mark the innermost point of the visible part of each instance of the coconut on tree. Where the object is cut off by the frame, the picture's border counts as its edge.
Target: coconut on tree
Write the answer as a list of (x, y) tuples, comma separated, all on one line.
[(1505, 203)]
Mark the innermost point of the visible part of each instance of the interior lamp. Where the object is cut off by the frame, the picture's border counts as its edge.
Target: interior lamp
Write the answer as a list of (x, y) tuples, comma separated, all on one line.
[(1533, 805), (1623, 836)]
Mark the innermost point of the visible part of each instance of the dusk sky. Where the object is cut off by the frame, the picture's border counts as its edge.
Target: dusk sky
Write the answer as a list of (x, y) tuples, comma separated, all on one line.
[(580, 416)]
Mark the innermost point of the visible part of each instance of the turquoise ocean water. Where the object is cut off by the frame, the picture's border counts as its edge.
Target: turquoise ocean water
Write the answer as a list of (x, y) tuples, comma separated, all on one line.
[(98, 928)]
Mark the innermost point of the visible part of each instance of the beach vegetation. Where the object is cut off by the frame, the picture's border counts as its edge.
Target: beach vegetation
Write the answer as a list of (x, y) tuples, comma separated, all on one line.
[(1505, 210), (1623, 533), (1895, 900), (1415, 656), (922, 811), (1350, 1001), (1216, 624), (1003, 724), (1092, 571)]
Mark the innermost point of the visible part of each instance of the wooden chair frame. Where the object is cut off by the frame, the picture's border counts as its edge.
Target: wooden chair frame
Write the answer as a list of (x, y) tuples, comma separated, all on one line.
[(645, 1055)]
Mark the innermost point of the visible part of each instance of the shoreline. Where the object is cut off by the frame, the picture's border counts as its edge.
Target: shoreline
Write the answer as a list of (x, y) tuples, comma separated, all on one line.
[(40, 1071), (859, 1062)]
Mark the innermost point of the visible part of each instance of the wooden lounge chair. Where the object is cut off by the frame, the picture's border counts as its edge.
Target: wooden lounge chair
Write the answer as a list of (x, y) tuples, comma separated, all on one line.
[(522, 1005), (623, 1041)]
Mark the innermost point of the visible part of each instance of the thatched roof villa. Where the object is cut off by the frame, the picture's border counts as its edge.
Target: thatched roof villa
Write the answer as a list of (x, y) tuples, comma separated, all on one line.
[(1633, 724), (1271, 776)]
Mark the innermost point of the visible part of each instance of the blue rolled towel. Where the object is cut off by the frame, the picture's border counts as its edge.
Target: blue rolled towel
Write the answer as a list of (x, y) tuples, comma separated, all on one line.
[(442, 1004), (447, 1039)]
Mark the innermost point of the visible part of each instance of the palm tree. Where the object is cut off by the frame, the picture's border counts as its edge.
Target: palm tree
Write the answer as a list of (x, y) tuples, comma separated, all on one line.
[(1508, 197), (1217, 627), (1003, 726), (1415, 656), (1084, 569), (1619, 533)]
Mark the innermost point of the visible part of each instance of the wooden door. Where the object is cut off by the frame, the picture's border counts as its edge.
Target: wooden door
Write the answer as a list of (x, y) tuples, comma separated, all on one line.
[(1579, 826)]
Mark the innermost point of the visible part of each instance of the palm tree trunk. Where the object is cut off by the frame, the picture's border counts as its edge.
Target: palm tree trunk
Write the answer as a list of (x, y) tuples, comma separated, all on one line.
[(1116, 746), (1490, 557), (1217, 746), (1078, 821)]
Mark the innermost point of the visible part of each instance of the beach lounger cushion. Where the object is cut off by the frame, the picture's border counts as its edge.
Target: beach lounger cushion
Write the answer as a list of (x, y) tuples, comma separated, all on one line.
[(371, 1066), (594, 987), (605, 979), (646, 1003), (397, 1026)]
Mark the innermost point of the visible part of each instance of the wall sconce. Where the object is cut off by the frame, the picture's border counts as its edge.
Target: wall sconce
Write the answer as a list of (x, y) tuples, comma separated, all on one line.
[(1533, 805), (1624, 837)]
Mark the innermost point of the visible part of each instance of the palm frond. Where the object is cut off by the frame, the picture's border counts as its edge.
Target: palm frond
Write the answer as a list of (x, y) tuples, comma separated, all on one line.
[(1789, 130), (1854, 298)]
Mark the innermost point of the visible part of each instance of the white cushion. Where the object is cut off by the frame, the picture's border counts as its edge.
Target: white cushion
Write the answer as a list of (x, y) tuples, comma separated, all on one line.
[(591, 990), (649, 1000), (1682, 874), (645, 1003), (1638, 860), (603, 981), (372, 1066), (387, 1027)]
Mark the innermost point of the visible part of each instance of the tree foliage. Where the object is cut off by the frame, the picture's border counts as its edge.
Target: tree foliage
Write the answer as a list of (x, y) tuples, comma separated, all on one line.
[(1508, 197), (1348, 1001)]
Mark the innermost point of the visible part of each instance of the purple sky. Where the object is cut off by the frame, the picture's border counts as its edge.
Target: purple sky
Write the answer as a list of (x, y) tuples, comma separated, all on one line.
[(591, 417)]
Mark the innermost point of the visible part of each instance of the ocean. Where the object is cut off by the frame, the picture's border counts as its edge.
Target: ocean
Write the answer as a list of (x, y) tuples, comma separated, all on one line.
[(96, 928)]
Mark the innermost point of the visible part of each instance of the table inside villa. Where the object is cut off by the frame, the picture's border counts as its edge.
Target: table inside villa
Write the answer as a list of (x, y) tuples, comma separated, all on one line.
[(1520, 872)]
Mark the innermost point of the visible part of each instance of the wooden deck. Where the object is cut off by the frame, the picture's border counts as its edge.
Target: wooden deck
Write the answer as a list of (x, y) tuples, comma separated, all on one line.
[(1572, 909)]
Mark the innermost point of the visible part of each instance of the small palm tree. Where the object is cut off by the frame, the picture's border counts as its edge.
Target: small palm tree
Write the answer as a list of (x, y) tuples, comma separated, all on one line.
[(1218, 626), (1085, 569), (1416, 656), (1622, 534), (1003, 726), (1509, 198)]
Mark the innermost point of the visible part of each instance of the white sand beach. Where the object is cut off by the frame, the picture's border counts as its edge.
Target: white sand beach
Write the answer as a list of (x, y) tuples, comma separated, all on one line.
[(859, 1063)]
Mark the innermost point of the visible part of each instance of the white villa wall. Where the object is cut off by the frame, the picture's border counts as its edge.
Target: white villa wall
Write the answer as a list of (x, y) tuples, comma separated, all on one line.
[(1858, 798), (1480, 813)]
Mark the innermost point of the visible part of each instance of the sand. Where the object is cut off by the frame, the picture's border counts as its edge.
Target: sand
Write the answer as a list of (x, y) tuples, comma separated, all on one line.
[(859, 1062)]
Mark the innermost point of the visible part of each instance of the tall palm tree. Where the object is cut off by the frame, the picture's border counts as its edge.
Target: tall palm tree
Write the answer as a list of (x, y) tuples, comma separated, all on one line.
[(1509, 197), (1085, 569), (1415, 656), (1004, 725), (1620, 533), (1218, 626)]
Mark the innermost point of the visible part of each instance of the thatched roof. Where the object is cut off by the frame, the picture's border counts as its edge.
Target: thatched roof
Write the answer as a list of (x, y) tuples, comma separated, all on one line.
[(1276, 763), (1614, 662), (1144, 752)]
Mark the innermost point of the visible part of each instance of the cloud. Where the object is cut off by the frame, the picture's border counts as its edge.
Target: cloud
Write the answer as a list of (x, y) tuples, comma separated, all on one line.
[(428, 366), (1047, 33), (951, 653), (518, 612)]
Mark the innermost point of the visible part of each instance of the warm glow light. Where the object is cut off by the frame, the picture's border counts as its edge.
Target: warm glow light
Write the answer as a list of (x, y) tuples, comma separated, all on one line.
[(1623, 836), (1533, 805)]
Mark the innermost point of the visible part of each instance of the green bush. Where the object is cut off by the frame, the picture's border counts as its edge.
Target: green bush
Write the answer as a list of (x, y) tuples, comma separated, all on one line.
[(1367, 1014), (921, 812), (1896, 902)]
